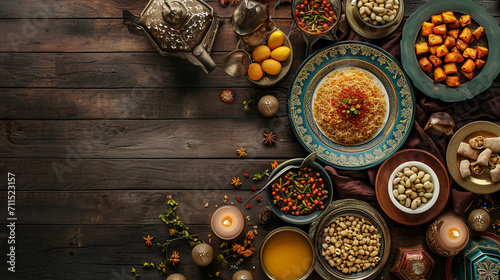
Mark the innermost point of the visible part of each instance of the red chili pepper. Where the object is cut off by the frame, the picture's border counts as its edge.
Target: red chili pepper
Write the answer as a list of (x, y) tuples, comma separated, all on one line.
[(246, 175), (253, 188), (248, 206), (258, 198), (239, 199)]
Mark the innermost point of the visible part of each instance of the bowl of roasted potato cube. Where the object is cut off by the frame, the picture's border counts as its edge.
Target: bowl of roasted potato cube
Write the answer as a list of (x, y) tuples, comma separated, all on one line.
[(452, 48), (450, 52)]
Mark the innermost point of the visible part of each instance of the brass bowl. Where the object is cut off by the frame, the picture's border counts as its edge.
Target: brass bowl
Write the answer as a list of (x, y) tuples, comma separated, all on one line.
[(337, 8), (286, 229), (360, 209)]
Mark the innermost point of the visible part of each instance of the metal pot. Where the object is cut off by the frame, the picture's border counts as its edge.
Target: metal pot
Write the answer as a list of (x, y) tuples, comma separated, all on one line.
[(182, 28)]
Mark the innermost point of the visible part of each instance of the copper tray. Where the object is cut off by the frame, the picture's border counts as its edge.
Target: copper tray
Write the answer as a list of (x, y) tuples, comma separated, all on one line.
[(382, 192)]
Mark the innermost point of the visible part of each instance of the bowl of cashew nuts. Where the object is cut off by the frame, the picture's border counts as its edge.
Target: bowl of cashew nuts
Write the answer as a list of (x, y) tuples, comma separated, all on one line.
[(413, 187)]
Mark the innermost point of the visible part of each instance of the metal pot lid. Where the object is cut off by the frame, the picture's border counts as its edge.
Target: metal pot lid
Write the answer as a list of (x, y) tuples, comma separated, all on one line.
[(249, 16)]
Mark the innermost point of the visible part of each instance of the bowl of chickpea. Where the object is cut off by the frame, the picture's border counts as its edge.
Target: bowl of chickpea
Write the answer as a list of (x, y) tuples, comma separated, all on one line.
[(352, 241)]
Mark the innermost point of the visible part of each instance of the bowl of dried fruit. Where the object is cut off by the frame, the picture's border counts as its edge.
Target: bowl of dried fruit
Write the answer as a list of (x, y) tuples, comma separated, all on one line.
[(413, 187), (352, 241), (300, 196)]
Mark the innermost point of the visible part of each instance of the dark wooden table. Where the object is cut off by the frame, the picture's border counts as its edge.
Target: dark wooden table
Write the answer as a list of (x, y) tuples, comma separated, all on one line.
[(98, 129)]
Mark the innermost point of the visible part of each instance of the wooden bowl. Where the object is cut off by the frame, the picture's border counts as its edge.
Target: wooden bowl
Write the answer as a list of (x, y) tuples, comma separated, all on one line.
[(382, 192)]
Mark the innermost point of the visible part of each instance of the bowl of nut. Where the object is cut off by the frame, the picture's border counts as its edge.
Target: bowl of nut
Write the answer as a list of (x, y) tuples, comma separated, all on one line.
[(413, 187), (374, 19), (387, 184), (352, 241), (378, 13), (300, 195)]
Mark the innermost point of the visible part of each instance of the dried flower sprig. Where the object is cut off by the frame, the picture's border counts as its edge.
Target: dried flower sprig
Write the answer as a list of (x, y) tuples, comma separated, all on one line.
[(236, 251), (258, 176), (178, 230), (274, 165)]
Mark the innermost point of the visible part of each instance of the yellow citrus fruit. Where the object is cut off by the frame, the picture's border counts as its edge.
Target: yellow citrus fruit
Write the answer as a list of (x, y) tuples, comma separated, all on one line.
[(276, 40), (271, 66), (255, 71), (281, 53), (261, 53)]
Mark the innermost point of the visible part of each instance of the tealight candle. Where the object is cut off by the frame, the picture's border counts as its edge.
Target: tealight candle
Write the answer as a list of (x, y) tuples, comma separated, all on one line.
[(453, 234), (227, 222), (448, 235)]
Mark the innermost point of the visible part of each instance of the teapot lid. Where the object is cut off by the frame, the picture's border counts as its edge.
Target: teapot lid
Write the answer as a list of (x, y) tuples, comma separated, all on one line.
[(249, 16), (176, 25)]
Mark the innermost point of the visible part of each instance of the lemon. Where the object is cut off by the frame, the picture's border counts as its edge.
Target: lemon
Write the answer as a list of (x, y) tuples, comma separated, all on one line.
[(261, 53), (271, 66), (255, 71), (281, 53), (276, 40)]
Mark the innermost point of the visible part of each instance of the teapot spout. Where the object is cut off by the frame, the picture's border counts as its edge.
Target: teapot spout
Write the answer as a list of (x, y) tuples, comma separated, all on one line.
[(202, 55)]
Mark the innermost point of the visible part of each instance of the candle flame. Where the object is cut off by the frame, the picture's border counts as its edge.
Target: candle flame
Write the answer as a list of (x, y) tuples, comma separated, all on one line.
[(227, 221), (453, 233)]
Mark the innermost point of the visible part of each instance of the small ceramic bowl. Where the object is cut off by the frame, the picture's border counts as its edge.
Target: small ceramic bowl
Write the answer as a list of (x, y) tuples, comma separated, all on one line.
[(423, 206), (298, 244), (378, 26), (307, 218)]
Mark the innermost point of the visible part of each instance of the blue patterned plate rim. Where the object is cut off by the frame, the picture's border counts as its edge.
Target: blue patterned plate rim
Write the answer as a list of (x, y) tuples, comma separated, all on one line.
[(435, 90), (401, 104)]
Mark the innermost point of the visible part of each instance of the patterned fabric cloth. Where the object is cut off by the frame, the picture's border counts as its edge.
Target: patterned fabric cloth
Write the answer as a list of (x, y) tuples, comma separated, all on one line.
[(485, 106)]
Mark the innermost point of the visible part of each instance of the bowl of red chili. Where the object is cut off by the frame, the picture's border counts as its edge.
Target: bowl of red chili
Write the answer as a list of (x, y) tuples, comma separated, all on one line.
[(316, 16), (300, 196)]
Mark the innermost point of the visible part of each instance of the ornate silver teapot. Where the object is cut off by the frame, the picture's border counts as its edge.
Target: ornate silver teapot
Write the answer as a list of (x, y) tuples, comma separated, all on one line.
[(182, 28)]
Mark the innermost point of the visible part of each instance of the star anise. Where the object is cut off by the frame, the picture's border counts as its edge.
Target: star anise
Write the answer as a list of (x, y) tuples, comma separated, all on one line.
[(148, 240), (241, 152), (269, 138), (236, 182)]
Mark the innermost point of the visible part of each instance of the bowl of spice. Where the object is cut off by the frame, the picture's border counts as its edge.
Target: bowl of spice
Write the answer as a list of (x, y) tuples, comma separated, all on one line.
[(316, 16), (300, 196)]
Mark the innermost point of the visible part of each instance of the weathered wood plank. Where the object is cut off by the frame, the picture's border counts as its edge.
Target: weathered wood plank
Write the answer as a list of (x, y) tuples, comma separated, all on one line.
[(120, 70), (124, 207), (158, 103), (109, 252), (137, 139), (147, 174), (42, 9), (94, 35), (113, 9)]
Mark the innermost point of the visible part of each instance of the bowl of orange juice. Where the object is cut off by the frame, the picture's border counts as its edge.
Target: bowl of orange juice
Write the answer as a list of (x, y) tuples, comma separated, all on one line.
[(287, 253)]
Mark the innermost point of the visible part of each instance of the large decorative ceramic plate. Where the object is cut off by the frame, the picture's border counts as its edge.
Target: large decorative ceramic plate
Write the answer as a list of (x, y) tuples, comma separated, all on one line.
[(480, 184), (383, 195), (387, 74), (466, 90), (359, 209)]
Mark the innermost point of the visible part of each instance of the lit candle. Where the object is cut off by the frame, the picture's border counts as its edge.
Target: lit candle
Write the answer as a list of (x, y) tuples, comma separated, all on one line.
[(453, 234), (447, 235), (227, 222)]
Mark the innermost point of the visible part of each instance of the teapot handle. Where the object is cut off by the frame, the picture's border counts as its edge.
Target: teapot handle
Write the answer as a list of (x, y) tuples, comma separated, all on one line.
[(202, 55)]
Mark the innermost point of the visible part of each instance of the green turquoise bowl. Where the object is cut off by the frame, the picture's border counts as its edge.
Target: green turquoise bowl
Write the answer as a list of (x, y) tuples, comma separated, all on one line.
[(301, 219), (467, 90)]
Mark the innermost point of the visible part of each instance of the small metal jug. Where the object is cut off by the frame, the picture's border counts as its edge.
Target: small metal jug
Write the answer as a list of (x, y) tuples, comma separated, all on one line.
[(182, 28)]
